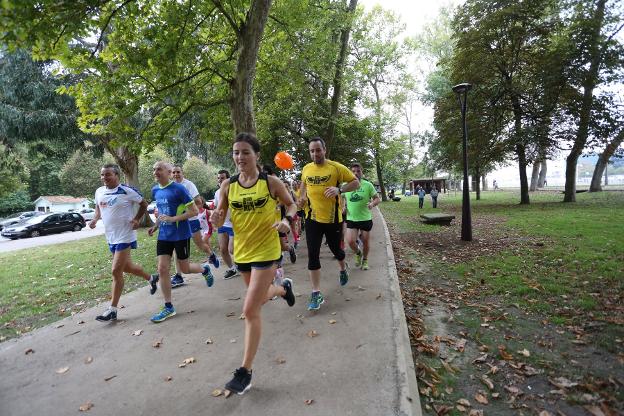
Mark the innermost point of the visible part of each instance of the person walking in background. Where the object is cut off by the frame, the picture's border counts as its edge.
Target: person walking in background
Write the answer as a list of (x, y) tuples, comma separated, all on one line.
[(320, 189), (251, 197), (421, 197), (175, 207), (434, 196), (115, 203)]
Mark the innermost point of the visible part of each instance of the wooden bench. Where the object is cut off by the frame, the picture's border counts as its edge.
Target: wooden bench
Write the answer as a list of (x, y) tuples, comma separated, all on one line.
[(440, 219)]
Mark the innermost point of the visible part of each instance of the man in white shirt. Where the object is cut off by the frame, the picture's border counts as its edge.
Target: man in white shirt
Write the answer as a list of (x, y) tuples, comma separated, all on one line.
[(116, 204), (178, 176), (226, 232)]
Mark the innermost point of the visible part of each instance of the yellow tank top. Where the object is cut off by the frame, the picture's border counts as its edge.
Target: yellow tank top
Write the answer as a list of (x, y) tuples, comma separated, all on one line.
[(252, 212)]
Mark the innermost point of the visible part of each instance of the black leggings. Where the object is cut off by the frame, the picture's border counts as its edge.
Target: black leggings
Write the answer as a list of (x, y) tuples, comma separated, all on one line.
[(314, 239)]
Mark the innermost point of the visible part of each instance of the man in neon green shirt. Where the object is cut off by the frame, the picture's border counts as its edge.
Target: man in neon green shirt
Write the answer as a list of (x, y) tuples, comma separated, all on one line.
[(359, 217)]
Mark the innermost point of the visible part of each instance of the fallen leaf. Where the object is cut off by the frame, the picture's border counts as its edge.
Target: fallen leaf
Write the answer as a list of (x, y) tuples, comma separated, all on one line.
[(309, 401), (209, 341), (332, 321), (481, 398), (312, 333), (29, 351), (514, 391), (157, 343), (227, 393), (137, 332), (81, 322), (595, 410), (88, 360), (562, 382), (475, 412), (495, 395), (442, 409), (189, 360), (378, 296), (217, 392), (360, 288), (487, 382), (242, 316), (461, 344), (62, 370), (85, 407), (280, 360), (460, 408), (525, 352), (545, 413), (504, 354), (464, 402), (233, 340), (110, 378), (480, 359), (168, 378), (229, 314)]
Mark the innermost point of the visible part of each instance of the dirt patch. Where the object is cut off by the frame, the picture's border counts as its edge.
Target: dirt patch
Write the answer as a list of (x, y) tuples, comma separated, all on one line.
[(476, 355)]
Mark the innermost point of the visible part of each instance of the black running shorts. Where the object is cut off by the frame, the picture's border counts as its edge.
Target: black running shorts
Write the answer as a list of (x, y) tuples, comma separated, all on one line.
[(182, 248)]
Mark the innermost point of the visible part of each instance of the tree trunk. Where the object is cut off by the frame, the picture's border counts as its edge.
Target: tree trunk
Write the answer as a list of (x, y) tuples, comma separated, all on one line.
[(520, 150), (382, 187), (603, 159), (241, 87), (337, 84), (484, 184), (589, 83), (541, 180), (477, 186), (534, 176)]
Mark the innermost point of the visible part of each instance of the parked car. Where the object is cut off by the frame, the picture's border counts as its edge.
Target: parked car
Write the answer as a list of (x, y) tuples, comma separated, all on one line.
[(17, 218), (88, 214), (51, 223)]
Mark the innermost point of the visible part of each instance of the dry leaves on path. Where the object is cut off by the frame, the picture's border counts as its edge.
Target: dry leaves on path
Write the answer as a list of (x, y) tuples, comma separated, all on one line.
[(137, 333), (312, 333), (186, 361), (62, 370), (157, 343), (88, 360), (85, 407), (29, 351)]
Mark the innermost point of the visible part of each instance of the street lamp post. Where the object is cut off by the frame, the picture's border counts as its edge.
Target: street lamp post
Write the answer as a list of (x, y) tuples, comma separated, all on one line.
[(466, 232)]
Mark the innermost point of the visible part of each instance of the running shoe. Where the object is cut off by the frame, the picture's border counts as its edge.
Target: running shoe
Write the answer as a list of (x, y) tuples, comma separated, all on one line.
[(164, 313), (344, 275), (108, 315), (214, 260), (230, 273), (316, 300), (208, 275), (293, 254), (241, 381), (176, 280), (153, 280), (364, 264), (289, 296), (358, 259)]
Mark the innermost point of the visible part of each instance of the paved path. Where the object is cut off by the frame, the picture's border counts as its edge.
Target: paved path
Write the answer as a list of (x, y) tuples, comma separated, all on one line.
[(359, 365)]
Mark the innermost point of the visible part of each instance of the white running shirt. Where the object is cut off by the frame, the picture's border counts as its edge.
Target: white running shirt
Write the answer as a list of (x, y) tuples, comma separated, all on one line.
[(227, 222), (118, 206), (192, 190)]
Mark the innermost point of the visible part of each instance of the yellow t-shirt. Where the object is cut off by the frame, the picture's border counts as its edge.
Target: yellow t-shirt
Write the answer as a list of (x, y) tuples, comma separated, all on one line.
[(318, 178), (252, 212)]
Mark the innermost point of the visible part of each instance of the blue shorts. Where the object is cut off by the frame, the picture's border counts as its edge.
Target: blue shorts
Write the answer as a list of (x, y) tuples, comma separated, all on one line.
[(227, 230), (121, 246), (195, 226)]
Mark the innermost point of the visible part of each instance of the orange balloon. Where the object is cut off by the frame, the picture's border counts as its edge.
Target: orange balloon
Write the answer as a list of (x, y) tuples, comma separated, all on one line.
[(283, 160)]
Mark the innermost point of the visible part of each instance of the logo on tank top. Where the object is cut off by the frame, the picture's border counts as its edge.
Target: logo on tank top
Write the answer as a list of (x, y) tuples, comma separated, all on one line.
[(249, 204), (317, 180), (355, 197)]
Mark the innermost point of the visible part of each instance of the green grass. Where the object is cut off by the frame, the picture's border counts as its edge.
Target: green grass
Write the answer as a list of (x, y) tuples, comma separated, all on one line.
[(41, 285), (578, 269)]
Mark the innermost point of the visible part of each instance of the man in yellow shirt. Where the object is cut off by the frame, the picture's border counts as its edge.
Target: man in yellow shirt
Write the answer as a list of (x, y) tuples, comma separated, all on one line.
[(321, 188)]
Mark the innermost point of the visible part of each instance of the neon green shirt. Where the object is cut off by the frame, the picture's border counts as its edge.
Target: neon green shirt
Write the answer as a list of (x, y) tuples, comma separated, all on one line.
[(357, 202)]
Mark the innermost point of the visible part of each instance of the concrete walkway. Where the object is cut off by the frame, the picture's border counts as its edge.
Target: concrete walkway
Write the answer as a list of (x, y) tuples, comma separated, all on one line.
[(359, 365)]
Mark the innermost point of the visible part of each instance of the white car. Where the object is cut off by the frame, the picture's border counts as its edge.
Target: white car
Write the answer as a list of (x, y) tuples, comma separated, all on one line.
[(88, 214)]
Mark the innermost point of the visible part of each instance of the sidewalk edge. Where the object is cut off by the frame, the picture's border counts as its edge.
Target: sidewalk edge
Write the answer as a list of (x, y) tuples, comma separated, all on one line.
[(407, 386)]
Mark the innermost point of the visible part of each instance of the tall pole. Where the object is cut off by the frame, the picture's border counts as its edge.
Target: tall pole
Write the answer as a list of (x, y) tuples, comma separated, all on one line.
[(466, 232)]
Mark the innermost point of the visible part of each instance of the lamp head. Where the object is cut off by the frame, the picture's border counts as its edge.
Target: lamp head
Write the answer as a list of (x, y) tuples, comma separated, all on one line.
[(463, 87)]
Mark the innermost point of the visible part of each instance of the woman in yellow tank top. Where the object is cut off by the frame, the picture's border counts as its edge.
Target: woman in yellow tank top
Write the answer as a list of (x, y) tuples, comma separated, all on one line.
[(251, 198)]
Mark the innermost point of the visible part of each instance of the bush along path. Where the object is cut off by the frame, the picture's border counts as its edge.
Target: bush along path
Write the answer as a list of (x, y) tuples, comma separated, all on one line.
[(527, 318)]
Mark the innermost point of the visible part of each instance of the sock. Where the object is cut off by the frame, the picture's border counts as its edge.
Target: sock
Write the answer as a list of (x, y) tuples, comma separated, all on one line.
[(112, 308), (316, 292), (151, 278), (168, 305)]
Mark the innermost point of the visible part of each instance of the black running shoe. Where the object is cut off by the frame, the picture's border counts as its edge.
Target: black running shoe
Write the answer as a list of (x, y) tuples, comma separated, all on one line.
[(109, 315), (241, 381), (152, 283), (230, 273), (293, 254), (289, 296), (176, 280)]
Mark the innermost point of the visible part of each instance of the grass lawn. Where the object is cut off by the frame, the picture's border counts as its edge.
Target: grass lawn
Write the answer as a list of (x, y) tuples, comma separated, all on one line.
[(44, 284), (547, 278)]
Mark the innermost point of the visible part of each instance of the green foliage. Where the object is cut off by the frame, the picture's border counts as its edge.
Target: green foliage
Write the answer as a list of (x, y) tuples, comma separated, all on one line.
[(15, 202), (204, 176), (80, 176), (146, 164)]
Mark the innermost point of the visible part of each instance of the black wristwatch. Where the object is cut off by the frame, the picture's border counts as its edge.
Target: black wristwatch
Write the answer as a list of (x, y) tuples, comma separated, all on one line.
[(289, 218)]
